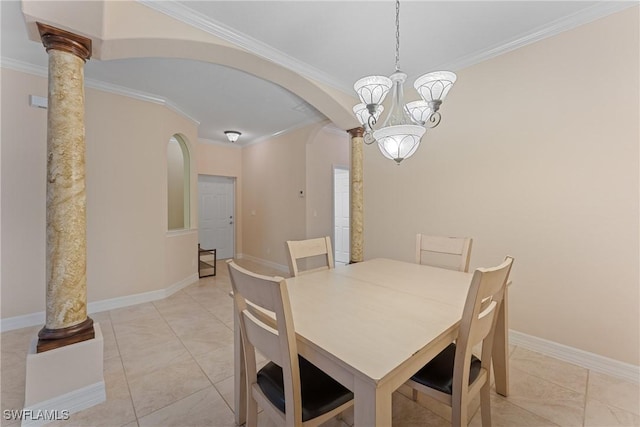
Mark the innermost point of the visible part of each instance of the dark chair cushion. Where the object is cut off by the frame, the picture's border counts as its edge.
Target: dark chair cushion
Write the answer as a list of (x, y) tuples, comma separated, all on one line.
[(320, 392), (438, 373)]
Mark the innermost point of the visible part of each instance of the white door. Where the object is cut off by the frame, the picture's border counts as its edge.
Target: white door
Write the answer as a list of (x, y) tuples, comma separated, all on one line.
[(216, 214), (341, 214)]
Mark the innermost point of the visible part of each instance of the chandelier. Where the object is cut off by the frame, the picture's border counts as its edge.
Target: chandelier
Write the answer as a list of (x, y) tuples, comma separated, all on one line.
[(399, 135)]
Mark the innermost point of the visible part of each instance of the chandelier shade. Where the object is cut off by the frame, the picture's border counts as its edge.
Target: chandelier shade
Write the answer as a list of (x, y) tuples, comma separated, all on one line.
[(400, 141), (435, 86), (419, 111), (372, 89)]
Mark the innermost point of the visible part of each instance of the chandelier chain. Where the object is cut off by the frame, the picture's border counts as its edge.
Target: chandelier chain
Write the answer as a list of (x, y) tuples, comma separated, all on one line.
[(397, 35)]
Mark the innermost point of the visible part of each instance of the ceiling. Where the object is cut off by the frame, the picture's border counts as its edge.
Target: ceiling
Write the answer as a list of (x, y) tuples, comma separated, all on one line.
[(335, 42)]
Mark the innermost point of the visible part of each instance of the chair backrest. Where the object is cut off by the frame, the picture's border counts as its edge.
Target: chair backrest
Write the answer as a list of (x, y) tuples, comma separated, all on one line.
[(299, 249), (254, 296), (484, 298), (452, 253)]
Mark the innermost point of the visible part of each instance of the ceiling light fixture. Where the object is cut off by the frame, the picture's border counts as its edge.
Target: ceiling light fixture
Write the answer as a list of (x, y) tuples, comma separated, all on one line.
[(232, 135), (399, 135)]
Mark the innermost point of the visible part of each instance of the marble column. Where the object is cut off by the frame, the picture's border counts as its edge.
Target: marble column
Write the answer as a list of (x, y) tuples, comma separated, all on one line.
[(356, 196), (66, 296)]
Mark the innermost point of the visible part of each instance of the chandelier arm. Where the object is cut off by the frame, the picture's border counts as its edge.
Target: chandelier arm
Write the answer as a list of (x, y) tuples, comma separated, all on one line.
[(371, 122), (434, 120), (368, 138)]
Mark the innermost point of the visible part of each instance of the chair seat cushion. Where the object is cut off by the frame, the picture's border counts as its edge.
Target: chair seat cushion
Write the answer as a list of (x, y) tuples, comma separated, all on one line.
[(320, 392), (438, 373)]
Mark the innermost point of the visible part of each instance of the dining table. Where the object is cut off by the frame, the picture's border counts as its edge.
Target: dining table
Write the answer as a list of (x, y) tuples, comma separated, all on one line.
[(371, 325)]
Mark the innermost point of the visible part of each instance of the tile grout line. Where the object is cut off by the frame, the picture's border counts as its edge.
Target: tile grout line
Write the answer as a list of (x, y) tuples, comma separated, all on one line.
[(194, 359), (124, 371)]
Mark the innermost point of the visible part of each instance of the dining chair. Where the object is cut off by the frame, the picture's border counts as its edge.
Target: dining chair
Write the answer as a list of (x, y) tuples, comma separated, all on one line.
[(290, 390), (299, 249), (452, 253), (455, 376)]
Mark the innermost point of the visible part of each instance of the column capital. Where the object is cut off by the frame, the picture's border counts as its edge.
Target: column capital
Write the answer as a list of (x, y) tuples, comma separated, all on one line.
[(356, 132), (57, 39)]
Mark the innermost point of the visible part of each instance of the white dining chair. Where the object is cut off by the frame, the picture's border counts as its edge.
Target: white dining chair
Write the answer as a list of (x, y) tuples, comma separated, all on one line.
[(301, 249), (452, 253), (290, 390), (455, 376)]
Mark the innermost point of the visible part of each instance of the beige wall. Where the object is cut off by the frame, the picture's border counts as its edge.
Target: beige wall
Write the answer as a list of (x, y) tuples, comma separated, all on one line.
[(537, 157), (275, 171), (23, 194), (128, 250), (221, 160), (326, 149)]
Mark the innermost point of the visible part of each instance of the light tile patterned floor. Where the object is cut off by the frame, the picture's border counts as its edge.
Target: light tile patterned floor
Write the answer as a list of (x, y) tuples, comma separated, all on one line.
[(170, 363)]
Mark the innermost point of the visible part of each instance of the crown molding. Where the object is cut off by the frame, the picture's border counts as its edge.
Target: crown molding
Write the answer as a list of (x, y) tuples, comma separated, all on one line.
[(24, 67), (198, 20), (41, 71), (333, 129), (585, 16), (225, 144), (202, 22), (307, 122)]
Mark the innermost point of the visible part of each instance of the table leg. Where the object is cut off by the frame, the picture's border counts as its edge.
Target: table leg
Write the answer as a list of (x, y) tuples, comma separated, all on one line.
[(501, 348), (239, 382), (372, 406)]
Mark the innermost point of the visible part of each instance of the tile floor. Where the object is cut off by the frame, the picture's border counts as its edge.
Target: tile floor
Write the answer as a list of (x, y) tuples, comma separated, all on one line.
[(170, 363)]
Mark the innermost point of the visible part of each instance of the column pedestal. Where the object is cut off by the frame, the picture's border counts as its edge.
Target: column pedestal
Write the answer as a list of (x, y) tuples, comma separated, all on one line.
[(63, 381)]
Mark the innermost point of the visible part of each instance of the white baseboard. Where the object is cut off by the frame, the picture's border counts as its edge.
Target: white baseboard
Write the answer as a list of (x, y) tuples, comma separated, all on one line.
[(271, 264), (61, 407), (17, 322), (576, 356), (38, 318)]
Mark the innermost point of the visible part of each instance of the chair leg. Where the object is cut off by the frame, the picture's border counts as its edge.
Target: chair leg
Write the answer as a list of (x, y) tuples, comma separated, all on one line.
[(485, 404), (458, 418), (459, 413), (252, 412)]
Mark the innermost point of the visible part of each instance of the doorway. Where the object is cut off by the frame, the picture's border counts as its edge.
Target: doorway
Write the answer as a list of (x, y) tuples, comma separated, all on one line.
[(216, 216), (341, 186)]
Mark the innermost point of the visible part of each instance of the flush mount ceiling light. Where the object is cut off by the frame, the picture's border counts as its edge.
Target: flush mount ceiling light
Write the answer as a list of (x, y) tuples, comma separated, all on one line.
[(232, 135), (399, 135)]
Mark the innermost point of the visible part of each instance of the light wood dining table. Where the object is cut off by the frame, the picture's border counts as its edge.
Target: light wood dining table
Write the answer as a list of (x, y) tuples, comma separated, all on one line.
[(372, 325)]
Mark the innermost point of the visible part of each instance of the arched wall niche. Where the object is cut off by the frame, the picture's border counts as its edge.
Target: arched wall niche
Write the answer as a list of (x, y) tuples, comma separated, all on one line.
[(178, 183)]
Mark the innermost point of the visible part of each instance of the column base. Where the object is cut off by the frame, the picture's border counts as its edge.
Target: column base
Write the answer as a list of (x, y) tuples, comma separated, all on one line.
[(49, 339)]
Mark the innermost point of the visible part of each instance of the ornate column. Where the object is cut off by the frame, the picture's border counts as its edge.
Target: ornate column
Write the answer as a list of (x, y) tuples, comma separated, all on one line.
[(66, 298), (356, 221)]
